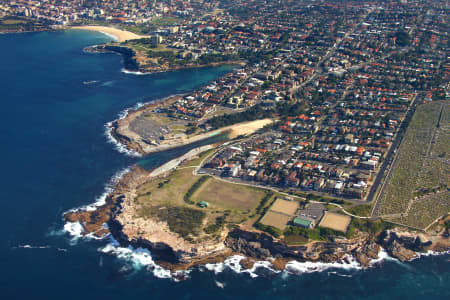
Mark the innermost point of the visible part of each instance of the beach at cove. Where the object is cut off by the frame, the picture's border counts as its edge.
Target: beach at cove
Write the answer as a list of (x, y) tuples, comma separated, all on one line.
[(62, 112), (118, 34)]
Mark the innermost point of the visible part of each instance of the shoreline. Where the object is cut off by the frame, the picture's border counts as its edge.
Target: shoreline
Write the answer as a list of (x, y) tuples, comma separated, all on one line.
[(119, 130), (361, 251), (119, 34), (133, 61), (103, 221)]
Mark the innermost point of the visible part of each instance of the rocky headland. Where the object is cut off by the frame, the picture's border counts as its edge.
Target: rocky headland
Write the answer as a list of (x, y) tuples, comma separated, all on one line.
[(135, 61), (170, 250)]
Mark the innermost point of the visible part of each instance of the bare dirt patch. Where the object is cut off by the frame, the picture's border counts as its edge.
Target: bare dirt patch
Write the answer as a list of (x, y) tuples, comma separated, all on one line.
[(335, 221), (285, 207), (275, 219), (248, 127)]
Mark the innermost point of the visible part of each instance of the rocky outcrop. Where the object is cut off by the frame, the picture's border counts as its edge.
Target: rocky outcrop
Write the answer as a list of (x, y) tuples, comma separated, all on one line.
[(366, 252), (93, 220), (403, 244), (174, 253), (128, 55), (261, 245)]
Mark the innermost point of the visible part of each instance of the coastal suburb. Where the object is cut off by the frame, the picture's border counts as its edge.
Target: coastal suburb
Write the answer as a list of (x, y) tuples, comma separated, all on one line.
[(328, 141)]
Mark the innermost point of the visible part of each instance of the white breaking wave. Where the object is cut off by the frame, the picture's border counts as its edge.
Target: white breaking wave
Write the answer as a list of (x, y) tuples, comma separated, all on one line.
[(139, 258), (136, 72), (220, 284), (295, 267), (26, 246), (90, 82), (382, 256), (233, 263), (115, 38), (109, 188), (75, 229), (123, 114), (108, 132)]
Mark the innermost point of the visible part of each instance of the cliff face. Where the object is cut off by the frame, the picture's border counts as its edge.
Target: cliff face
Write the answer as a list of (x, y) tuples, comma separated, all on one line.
[(404, 244), (261, 246), (175, 253), (128, 55), (93, 220)]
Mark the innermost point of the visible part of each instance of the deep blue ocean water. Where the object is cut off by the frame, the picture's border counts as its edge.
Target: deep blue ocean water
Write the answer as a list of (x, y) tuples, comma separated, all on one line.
[(55, 157)]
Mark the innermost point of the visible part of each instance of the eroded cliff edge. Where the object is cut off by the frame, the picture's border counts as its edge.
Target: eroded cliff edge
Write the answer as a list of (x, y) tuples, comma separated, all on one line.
[(173, 251)]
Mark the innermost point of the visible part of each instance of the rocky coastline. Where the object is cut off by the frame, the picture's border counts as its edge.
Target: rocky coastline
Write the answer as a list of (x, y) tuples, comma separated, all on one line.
[(174, 253), (135, 62), (119, 128), (117, 217), (128, 55)]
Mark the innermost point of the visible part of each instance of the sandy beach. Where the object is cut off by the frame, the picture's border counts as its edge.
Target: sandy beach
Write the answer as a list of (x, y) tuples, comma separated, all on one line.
[(120, 35)]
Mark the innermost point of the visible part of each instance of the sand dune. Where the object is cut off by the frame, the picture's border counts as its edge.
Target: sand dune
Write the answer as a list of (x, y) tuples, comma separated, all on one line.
[(121, 35)]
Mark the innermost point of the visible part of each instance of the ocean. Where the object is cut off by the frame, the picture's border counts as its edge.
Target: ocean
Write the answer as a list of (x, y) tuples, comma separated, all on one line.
[(55, 102)]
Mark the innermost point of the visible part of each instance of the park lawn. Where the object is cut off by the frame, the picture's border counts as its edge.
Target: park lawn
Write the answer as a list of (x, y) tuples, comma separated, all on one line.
[(158, 119), (228, 195), (174, 186), (161, 48), (172, 191), (165, 21)]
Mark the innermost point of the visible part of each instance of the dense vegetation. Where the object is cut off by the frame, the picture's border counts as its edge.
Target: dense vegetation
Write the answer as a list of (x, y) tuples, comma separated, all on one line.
[(269, 229), (369, 226), (262, 204), (402, 38), (214, 58), (184, 220), (362, 210), (315, 234), (193, 188), (324, 199), (220, 220)]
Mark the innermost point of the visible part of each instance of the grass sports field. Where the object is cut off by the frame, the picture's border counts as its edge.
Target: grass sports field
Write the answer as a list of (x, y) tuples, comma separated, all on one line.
[(228, 195)]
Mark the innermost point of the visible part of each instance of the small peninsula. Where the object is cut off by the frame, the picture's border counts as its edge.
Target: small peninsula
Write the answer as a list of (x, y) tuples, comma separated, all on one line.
[(269, 192), (336, 120)]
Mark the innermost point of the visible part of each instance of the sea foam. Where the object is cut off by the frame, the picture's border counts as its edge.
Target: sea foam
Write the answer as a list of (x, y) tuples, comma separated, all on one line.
[(118, 145), (233, 263), (75, 229), (115, 38), (135, 72), (109, 188), (138, 257), (295, 267)]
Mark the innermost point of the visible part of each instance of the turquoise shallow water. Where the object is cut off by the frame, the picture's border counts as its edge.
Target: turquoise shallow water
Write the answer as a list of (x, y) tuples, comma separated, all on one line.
[(55, 157)]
